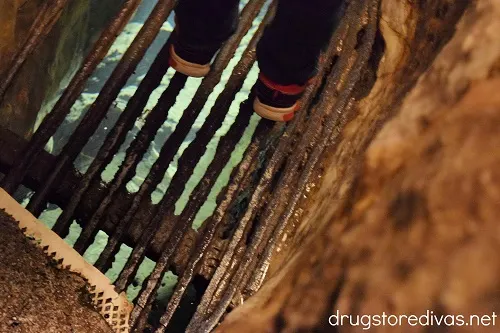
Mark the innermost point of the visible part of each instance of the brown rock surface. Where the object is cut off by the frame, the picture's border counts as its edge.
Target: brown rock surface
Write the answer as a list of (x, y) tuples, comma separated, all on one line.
[(59, 55)]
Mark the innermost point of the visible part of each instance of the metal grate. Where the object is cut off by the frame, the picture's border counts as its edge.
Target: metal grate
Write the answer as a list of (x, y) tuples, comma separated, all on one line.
[(227, 258)]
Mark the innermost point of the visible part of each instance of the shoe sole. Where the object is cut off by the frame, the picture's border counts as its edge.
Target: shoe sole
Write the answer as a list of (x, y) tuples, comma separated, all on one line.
[(273, 113), (186, 67)]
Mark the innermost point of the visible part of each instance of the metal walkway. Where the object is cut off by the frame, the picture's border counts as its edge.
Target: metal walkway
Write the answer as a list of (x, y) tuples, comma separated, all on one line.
[(226, 260)]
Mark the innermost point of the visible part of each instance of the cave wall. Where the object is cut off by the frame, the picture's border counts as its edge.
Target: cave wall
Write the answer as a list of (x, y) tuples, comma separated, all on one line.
[(8, 14), (404, 218), (52, 62)]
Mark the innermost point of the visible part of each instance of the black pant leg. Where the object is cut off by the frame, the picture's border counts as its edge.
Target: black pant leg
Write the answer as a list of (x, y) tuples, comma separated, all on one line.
[(289, 49), (206, 24)]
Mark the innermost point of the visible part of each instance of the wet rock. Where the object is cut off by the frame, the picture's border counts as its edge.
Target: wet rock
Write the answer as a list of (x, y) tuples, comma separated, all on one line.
[(53, 61)]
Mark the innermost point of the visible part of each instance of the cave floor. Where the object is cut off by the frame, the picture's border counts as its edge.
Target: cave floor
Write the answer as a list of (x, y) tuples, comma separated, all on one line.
[(36, 296)]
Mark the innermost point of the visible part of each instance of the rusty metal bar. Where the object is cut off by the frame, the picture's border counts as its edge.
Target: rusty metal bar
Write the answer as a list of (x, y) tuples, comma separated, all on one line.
[(272, 167), (170, 148), (201, 320), (338, 117), (238, 183), (200, 193), (210, 126), (197, 147), (248, 261), (134, 154), (294, 129), (116, 137), (108, 94), (54, 119), (44, 22), (344, 43), (12, 145)]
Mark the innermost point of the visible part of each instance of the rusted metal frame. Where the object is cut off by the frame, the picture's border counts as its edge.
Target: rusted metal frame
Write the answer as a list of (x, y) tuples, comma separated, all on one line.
[(238, 177), (244, 223), (336, 46), (337, 120), (55, 118), (229, 260), (116, 137), (333, 120), (210, 126), (198, 322), (240, 181), (275, 208), (134, 155), (173, 143), (12, 145), (264, 183), (202, 190), (223, 152), (213, 122), (107, 95), (44, 22)]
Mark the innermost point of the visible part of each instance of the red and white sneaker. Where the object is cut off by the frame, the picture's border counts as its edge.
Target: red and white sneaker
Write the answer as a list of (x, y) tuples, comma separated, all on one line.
[(277, 102)]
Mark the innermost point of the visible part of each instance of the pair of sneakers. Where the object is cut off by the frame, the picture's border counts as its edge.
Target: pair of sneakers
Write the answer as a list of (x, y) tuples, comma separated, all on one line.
[(273, 101)]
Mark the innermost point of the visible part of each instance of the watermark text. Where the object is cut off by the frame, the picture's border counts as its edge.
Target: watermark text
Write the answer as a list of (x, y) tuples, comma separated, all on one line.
[(427, 319)]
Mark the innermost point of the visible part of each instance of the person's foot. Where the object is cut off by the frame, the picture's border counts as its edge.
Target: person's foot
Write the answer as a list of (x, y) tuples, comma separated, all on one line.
[(277, 102), (188, 60), (187, 67)]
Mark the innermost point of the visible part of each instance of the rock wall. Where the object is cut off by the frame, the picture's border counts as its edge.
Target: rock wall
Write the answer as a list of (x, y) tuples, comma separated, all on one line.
[(8, 14), (405, 217), (54, 60)]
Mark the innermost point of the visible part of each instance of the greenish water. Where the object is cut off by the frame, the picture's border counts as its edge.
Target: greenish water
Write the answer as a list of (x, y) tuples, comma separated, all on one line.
[(89, 95)]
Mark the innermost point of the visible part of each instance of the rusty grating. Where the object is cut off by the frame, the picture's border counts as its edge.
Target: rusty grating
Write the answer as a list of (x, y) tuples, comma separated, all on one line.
[(226, 259)]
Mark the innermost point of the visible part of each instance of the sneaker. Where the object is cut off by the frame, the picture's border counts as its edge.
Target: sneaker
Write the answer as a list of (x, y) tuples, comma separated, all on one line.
[(277, 102), (190, 61), (182, 65)]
